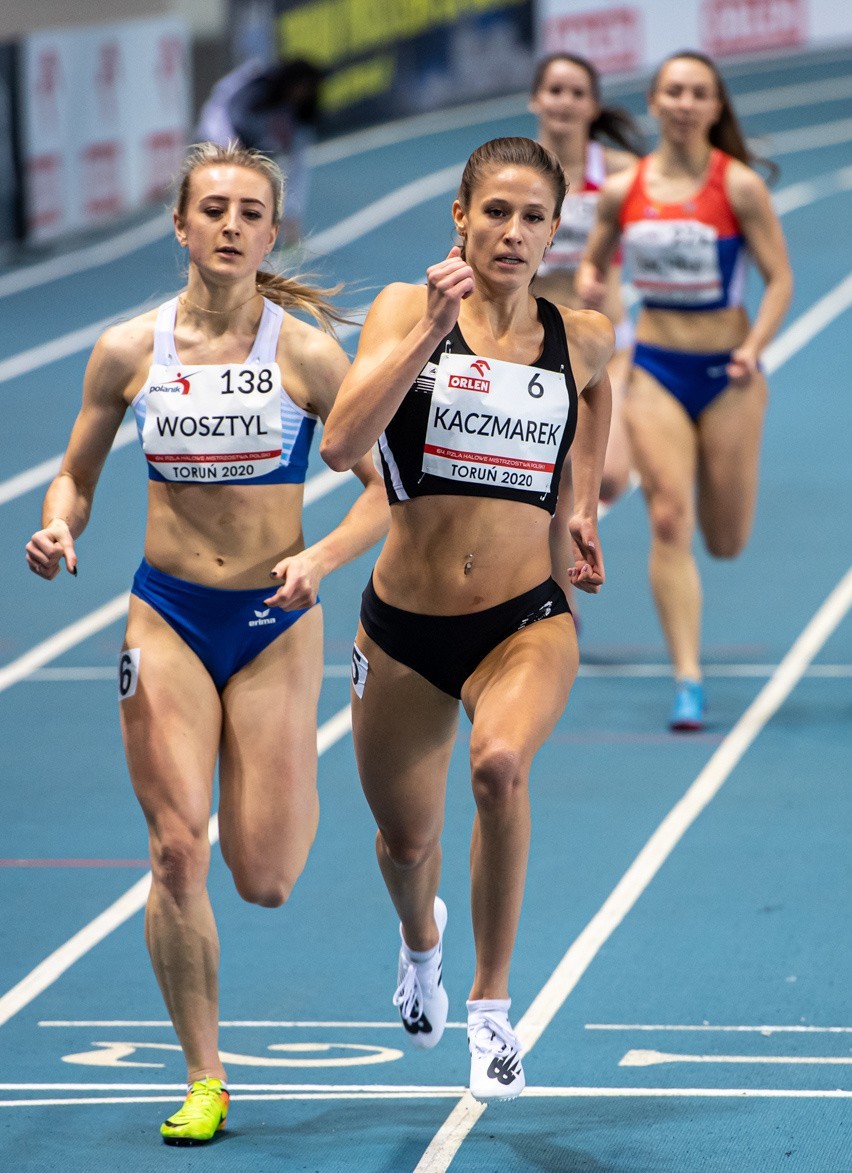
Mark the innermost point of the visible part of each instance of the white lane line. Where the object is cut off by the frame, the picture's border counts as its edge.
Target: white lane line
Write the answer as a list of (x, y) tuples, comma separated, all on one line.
[(262, 1024), (639, 1058), (82, 674), (63, 640), (821, 314), (788, 97), (763, 1030), (52, 968), (394, 204), (808, 191), (806, 138), (89, 257), (650, 860), (66, 345), (315, 488), (330, 1092), (42, 474)]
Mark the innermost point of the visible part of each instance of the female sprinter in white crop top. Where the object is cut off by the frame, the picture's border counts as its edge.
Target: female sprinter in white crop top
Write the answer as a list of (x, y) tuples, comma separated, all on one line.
[(592, 142), (688, 215), (223, 652)]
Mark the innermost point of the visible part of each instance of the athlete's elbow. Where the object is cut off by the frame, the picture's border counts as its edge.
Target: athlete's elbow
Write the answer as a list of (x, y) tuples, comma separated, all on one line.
[(336, 454)]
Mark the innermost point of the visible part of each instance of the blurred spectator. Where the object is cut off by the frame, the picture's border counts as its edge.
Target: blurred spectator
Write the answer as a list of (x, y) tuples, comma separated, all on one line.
[(272, 108)]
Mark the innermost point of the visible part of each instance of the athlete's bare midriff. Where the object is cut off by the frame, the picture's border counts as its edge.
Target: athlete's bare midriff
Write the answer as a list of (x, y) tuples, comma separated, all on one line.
[(227, 536), (698, 332), (432, 539)]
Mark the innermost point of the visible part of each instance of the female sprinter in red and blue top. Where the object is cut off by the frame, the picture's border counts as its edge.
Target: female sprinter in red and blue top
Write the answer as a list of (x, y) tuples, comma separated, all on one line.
[(689, 214)]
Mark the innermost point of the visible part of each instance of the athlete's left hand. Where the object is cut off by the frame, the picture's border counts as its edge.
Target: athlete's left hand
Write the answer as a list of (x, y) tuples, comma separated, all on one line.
[(299, 577), (587, 573), (744, 363)]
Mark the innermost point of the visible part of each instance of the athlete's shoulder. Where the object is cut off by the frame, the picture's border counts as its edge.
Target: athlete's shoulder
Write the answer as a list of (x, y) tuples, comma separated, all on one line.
[(618, 161), (743, 186), (591, 333), (124, 345), (396, 308), (618, 185)]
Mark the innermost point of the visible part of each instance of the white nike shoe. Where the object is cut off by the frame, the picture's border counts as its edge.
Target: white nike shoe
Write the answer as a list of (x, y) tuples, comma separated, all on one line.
[(420, 993), (495, 1052)]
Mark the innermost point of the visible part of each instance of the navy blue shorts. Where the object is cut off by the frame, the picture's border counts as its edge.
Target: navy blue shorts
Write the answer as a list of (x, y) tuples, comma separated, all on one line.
[(225, 629), (446, 649), (695, 380)]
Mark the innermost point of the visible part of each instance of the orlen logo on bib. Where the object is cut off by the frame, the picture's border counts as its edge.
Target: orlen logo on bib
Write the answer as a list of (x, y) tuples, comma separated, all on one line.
[(177, 386), (474, 382)]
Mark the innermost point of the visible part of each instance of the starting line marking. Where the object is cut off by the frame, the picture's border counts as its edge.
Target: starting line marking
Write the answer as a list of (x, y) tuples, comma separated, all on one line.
[(307, 1092)]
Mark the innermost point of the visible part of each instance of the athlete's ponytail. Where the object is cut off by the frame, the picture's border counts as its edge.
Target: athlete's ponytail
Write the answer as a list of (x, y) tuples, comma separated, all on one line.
[(613, 124), (726, 133), (290, 293)]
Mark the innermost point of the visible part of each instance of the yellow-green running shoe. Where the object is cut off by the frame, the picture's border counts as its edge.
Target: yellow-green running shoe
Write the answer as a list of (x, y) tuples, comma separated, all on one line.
[(204, 1112)]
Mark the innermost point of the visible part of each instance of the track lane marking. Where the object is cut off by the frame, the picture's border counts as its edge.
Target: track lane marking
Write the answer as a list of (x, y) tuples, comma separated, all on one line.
[(579, 956)]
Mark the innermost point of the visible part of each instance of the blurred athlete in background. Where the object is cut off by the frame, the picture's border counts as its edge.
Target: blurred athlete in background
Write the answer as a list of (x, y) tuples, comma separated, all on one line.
[(591, 141), (689, 215)]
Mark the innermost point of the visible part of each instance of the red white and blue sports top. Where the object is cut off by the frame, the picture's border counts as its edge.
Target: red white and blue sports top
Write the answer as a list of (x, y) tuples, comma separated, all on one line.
[(577, 217), (685, 256), (228, 423)]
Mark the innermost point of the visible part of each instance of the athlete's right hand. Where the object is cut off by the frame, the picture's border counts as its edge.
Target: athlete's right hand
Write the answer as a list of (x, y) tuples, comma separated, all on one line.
[(447, 284), (48, 547), (590, 286)]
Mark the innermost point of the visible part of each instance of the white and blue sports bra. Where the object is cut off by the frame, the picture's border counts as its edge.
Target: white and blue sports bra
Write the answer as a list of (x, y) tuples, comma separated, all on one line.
[(227, 423)]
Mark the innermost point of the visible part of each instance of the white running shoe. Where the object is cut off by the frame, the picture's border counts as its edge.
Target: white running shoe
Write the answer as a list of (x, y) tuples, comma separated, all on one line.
[(495, 1052), (420, 993)]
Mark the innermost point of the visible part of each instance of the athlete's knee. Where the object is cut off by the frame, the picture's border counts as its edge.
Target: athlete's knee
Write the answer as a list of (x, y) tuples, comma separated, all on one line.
[(180, 861), (266, 889), (727, 543), (671, 520), (406, 847), (496, 773)]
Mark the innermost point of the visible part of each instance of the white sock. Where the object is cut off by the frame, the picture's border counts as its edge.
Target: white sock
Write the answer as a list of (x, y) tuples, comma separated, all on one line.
[(489, 1004)]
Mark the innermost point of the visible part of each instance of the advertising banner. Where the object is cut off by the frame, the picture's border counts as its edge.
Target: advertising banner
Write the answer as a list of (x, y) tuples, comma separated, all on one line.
[(621, 37), (105, 112), (390, 58)]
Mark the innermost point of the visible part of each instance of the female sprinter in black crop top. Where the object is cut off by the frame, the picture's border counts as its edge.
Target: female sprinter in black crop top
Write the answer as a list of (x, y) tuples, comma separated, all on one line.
[(219, 661), (468, 388)]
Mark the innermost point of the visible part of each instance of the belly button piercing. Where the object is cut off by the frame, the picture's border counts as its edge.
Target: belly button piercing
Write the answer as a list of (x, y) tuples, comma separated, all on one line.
[(468, 566)]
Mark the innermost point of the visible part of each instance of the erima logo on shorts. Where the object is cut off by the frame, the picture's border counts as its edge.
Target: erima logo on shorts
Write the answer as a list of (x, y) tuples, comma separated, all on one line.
[(261, 618)]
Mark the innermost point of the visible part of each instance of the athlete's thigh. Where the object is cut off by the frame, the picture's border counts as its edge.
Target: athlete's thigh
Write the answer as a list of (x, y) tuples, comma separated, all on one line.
[(662, 436), (403, 729), (729, 435), (268, 756), (519, 691), (170, 721)]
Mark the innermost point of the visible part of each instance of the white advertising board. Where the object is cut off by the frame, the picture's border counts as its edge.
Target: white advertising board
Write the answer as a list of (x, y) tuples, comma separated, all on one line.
[(105, 111), (628, 37)]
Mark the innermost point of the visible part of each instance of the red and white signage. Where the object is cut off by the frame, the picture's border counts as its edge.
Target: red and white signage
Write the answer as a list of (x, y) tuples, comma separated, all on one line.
[(732, 27), (611, 38), (105, 118)]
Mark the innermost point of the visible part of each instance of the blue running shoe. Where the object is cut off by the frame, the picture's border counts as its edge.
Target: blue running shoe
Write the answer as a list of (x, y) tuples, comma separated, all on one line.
[(688, 712)]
